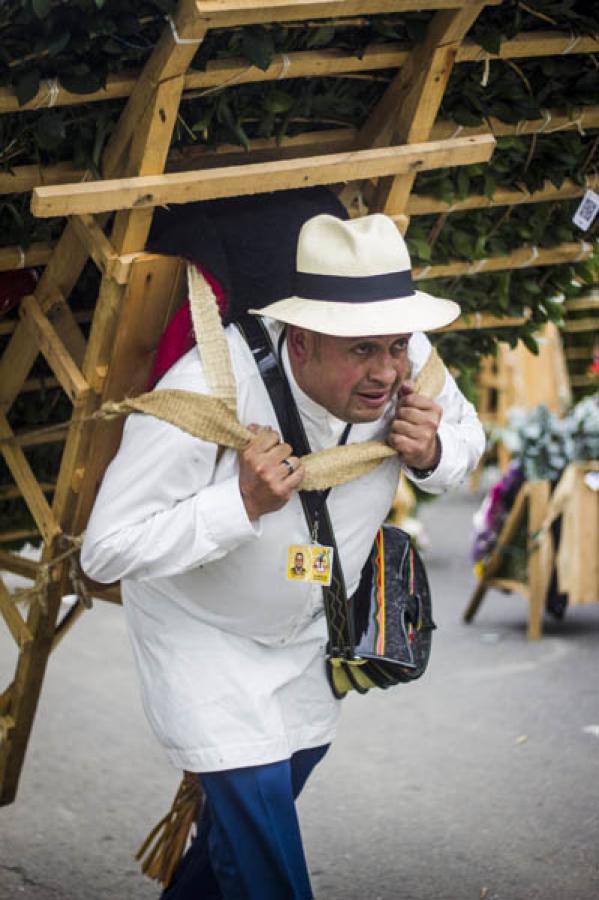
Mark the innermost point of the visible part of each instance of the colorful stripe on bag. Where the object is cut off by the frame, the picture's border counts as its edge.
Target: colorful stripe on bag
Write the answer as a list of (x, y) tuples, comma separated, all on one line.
[(379, 581)]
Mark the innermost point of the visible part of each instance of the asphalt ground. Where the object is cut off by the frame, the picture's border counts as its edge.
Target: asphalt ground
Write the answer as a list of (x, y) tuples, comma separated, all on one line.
[(480, 782)]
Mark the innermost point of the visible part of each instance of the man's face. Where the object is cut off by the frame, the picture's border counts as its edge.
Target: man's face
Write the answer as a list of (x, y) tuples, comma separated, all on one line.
[(299, 560), (353, 378)]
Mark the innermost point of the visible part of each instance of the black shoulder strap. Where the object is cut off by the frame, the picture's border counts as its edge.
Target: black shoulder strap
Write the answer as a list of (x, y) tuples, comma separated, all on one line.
[(314, 505)]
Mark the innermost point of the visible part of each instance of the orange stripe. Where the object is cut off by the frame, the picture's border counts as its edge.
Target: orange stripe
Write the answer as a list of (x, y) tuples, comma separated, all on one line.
[(380, 547)]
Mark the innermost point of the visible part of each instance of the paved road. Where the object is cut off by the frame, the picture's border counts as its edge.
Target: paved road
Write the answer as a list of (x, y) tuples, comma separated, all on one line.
[(479, 783)]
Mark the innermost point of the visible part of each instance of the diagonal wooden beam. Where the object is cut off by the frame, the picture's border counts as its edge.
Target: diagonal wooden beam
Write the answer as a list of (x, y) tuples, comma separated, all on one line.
[(13, 618), (23, 475), (50, 345), (409, 107)]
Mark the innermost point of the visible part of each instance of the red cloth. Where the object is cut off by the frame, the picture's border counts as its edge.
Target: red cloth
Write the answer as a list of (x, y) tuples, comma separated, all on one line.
[(178, 337)]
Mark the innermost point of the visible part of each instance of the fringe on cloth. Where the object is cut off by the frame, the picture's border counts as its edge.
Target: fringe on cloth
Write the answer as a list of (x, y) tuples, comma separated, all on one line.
[(163, 848)]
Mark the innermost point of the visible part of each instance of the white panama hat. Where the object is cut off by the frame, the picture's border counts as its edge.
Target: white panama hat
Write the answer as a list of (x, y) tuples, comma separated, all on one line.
[(354, 279)]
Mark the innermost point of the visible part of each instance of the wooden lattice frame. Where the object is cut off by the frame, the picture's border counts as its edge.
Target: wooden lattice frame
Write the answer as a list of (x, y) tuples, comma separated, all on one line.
[(138, 290)]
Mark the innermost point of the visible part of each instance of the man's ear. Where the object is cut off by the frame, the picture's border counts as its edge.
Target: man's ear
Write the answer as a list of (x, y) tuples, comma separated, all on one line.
[(297, 343)]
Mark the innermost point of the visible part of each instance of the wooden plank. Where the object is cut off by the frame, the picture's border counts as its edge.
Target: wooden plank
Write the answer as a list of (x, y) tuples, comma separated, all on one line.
[(589, 301), (299, 64), (8, 326), (555, 120), (60, 361), (574, 326), (540, 557), (408, 110), (421, 205), (579, 353), (229, 13), (150, 191), (506, 535), (95, 242), (531, 44), (523, 258), (18, 565), (36, 254), (477, 321), (23, 475), (13, 618), (18, 534)]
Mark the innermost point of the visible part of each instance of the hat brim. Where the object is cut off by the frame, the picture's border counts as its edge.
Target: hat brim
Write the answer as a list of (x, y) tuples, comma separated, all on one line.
[(417, 312)]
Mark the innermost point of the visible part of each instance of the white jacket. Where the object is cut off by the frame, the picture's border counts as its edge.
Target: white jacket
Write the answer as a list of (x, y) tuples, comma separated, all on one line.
[(230, 653)]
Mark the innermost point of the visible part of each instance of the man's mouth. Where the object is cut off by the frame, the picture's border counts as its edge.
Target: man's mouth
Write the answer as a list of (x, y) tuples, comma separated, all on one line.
[(373, 399)]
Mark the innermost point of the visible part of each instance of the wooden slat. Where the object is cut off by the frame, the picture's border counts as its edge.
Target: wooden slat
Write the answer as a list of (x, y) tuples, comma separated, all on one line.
[(229, 13), (8, 326), (23, 475), (18, 565), (60, 361), (14, 535), (572, 326), (555, 120), (150, 191), (339, 140), (589, 301), (579, 352), (477, 321), (15, 257), (421, 205), (13, 618), (299, 64), (523, 258)]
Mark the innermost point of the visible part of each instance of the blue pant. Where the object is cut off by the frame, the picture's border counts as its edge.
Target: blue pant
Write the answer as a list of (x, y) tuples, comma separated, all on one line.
[(248, 844)]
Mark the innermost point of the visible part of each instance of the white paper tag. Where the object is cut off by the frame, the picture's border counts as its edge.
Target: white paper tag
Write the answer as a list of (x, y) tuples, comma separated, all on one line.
[(587, 210), (591, 479)]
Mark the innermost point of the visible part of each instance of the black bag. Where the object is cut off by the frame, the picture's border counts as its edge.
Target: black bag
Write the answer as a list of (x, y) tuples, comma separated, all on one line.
[(389, 618)]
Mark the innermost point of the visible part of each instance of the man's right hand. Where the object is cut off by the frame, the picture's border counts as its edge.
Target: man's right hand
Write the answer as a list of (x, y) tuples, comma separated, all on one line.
[(265, 480)]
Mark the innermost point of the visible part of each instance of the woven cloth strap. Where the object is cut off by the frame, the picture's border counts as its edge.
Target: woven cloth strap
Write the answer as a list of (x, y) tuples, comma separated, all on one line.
[(212, 417)]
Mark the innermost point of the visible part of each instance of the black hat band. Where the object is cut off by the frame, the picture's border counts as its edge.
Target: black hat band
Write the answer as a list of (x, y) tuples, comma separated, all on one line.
[(347, 289)]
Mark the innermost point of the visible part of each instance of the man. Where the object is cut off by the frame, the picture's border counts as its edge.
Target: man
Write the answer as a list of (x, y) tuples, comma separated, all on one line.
[(231, 652), (298, 569)]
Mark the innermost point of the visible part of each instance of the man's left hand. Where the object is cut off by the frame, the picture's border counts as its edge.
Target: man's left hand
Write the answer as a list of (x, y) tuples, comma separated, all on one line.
[(413, 431)]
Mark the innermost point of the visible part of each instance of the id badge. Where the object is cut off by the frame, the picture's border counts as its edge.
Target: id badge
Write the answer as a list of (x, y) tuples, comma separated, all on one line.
[(310, 562)]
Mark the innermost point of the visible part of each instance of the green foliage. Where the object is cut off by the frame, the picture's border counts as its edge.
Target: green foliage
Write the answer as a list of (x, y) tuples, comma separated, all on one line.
[(543, 444)]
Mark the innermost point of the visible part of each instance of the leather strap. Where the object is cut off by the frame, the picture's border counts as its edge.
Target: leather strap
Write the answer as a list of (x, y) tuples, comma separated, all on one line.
[(341, 641)]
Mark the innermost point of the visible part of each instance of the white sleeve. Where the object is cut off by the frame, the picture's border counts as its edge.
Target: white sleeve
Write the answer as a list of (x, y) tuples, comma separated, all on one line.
[(460, 432), (159, 512)]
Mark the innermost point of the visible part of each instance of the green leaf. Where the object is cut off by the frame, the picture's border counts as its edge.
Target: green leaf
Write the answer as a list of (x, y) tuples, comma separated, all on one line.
[(50, 131), (320, 37), (489, 40), (257, 47), (278, 101), (41, 8), (86, 83), (27, 86), (420, 249)]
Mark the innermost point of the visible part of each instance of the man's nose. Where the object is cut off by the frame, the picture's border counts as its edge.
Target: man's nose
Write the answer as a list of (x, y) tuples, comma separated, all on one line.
[(384, 369)]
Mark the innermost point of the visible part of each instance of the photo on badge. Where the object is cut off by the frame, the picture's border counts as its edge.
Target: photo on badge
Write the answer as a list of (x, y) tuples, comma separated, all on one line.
[(298, 562), (322, 559)]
